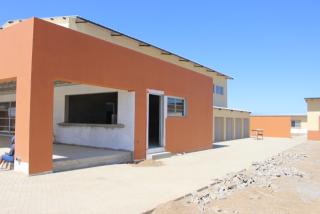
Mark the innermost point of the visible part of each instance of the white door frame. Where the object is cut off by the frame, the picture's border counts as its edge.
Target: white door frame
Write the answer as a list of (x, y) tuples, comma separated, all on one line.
[(163, 116)]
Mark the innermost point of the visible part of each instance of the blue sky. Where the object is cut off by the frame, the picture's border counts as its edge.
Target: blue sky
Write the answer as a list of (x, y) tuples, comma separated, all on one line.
[(270, 47)]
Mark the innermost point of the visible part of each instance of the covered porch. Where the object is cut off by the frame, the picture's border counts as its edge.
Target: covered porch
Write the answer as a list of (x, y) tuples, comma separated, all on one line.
[(70, 157), (92, 125)]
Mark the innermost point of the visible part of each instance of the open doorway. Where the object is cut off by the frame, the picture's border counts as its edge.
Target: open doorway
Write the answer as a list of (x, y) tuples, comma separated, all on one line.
[(155, 116)]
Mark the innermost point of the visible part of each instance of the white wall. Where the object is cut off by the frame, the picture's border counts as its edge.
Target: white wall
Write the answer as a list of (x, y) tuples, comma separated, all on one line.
[(115, 138), (313, 114), (298, 131)]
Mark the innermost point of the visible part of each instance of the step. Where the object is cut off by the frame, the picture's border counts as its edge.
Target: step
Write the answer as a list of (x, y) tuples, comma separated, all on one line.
[(159, 155)]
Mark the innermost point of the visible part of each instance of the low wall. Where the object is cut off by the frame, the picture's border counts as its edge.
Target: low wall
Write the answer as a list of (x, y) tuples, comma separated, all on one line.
[(273, 126)]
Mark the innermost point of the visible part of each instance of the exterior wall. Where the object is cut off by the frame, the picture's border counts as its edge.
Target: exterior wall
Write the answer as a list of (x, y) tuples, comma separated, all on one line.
[(304, 125), (48, 52), (221, 100), (313, 119), (234, 115), (313, 115), (115, 138), (273, 126)]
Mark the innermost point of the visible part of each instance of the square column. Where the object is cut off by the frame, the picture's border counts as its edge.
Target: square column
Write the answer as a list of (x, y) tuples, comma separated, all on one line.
[(34, 131), (140, 129)]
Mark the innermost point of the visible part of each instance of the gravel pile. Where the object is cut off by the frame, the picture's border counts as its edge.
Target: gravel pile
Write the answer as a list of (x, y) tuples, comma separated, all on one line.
[(260, 173)]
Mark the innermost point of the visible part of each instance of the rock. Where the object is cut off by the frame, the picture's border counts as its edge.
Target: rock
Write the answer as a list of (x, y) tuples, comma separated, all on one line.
[(260, 173)]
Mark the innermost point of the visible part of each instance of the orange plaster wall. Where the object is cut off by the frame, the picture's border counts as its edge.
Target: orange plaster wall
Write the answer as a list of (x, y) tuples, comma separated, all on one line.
[(62, 54), (273, 126), (15, 64), (314, 135)]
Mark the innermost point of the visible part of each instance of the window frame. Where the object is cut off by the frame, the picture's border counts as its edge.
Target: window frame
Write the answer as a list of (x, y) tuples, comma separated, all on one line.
[(174, 114)]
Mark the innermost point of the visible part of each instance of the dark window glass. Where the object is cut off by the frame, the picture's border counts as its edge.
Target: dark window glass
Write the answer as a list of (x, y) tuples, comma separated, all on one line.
[(92, 108)]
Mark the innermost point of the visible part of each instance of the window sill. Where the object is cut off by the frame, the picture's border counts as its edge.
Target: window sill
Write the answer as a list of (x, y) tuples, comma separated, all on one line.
[(86, 125)]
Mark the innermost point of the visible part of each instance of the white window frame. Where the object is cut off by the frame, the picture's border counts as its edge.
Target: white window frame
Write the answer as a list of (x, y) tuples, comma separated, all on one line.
[(184, 106)]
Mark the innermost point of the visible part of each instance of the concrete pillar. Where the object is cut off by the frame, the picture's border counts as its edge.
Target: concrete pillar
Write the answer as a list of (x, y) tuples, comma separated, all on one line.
[(34, 132), (140, 133)]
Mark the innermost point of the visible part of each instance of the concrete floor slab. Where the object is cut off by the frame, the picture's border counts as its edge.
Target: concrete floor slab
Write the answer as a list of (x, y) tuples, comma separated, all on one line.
[(70, 157), (127, 188)]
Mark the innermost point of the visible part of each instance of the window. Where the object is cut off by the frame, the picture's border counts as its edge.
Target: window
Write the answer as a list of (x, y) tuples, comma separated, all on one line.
[(219, 90), (296, 124), (92, 108), (176, 107)]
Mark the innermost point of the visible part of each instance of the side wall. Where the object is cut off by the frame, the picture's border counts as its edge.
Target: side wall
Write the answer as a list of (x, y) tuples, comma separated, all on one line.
[(273, 126)]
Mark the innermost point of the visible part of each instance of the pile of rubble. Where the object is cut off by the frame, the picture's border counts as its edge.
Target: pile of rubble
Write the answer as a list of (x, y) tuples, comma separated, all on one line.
[(260, 173)]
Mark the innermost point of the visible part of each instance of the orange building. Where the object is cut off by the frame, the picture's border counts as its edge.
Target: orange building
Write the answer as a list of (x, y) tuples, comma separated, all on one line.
[(77, 82), (283, 126)]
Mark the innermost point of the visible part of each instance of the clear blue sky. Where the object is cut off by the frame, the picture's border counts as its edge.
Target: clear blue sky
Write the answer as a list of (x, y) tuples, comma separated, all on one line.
[(270, 47)]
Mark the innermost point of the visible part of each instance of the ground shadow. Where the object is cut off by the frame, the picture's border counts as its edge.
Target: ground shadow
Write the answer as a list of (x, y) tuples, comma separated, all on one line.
[(218, 146)]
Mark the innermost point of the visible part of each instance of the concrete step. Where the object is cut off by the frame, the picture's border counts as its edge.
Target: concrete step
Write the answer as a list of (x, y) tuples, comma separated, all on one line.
[(159, 155)]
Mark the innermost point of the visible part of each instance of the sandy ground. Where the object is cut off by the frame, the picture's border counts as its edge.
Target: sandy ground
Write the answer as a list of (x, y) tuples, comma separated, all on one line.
[(292, 195), (129, 188)]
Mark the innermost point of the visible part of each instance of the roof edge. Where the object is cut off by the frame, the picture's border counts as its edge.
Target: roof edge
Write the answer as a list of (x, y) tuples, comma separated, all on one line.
[(148, 44), (231, 109)]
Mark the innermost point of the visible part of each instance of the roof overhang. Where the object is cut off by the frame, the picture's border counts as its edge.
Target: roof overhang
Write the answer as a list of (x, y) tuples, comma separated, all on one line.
[(312, 99), (231, 109)]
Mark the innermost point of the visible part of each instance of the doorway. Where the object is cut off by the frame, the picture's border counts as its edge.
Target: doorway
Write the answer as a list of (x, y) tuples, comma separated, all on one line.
[(155, 121)]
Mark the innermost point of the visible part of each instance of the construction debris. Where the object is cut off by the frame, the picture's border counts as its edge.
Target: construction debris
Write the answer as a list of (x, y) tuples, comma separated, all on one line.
[(260, 173)]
